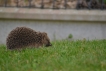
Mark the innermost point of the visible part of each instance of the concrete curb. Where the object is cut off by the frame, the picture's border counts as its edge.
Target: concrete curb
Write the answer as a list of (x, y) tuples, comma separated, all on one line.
[(49, 14)]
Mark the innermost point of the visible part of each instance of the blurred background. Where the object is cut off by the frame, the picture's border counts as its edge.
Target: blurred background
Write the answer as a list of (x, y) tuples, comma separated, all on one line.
[(61, 19)]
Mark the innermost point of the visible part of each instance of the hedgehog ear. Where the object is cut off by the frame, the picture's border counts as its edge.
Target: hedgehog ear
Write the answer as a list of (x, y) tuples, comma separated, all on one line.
[(44, 33)]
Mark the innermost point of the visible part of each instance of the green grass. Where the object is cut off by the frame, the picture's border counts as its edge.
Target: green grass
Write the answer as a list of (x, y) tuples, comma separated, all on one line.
[(62, 56)]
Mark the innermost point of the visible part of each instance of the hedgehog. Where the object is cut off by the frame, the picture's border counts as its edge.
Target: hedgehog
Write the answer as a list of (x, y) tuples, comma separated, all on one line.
[(22, 37)]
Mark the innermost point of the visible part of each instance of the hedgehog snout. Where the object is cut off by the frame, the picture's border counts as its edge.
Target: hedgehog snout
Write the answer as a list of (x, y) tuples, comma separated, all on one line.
[(49, 45)]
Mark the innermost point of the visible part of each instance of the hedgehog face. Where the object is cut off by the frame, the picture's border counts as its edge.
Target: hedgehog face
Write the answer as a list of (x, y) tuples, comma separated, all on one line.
[(46, 40)]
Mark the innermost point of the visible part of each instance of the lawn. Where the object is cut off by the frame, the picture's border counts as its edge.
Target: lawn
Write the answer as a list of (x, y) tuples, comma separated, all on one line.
[(62, 56)]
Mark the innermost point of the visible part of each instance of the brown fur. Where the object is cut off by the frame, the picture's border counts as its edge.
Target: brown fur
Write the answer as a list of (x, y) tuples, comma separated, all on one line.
[(21, 37)]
